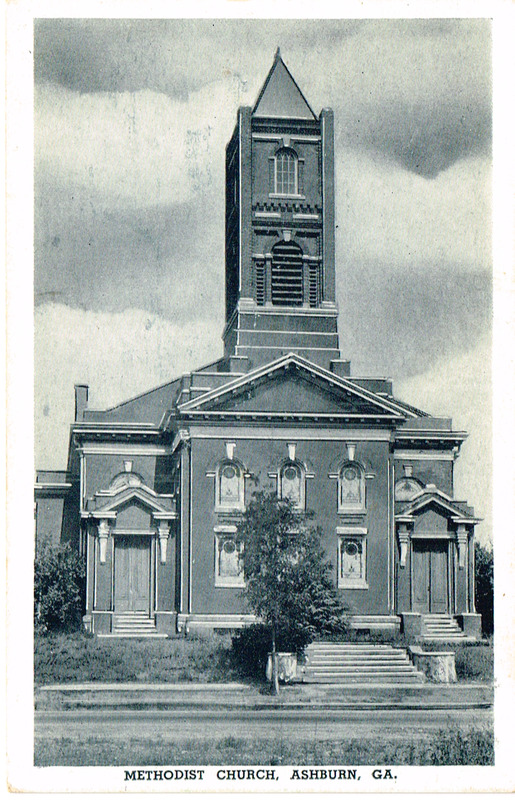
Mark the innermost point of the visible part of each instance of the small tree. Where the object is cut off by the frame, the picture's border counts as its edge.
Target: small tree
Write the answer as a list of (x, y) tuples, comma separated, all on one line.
[(485, 586), (59, 589), (287, 582)]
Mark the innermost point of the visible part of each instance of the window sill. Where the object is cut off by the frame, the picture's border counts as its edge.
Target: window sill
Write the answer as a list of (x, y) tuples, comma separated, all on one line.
[(350, 585), (287, 196), (224, 584)]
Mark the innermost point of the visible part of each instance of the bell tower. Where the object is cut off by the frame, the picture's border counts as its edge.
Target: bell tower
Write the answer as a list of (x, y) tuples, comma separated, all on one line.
[(279, 230)]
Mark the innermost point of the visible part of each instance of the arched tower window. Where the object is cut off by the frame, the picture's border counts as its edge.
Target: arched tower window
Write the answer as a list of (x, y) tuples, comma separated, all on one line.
[(230, 486), (292, 484), (287, 274), (286, 172), (351, 487)]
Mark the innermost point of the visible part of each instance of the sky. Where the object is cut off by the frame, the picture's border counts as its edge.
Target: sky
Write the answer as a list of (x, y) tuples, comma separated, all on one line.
[(131, 122)]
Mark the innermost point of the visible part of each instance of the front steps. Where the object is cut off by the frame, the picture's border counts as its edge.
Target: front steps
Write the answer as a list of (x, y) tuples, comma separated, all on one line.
[(359, 664), (133, 624), (441, 628)]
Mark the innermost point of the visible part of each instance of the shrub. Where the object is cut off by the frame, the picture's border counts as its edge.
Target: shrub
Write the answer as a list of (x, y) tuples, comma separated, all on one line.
[(59, 589), (485, 586)]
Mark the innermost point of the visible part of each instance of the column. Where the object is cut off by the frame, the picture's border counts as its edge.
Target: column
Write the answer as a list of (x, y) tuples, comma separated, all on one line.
[(163, 533), (403, 593), (462, 572), (103, 536)]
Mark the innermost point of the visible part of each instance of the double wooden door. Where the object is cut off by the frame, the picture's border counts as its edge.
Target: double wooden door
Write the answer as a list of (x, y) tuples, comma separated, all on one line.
[(132, 573), (430, 576)]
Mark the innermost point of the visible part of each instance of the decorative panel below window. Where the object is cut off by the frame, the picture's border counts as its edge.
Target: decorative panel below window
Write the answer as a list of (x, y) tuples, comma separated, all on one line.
[(228, 559), (352, 558)]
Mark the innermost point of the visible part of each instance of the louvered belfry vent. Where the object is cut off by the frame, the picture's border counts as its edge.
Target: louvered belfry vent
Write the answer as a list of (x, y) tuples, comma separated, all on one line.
[(287, 275)]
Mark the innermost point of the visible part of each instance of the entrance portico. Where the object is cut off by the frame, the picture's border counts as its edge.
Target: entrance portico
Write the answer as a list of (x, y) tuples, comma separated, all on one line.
[(128, 535), (435, 559)]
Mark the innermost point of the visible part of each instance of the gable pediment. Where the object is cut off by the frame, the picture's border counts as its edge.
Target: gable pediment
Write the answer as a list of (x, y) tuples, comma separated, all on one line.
[(109, 503), (432, 508), (292, 387)]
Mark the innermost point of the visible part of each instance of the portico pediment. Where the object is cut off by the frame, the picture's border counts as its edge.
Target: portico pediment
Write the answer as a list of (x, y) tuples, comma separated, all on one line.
[(433, 506), (108, 503)]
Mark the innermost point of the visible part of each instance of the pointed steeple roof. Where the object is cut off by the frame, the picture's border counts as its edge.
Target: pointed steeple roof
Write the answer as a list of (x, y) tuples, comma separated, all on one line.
[(280, 96)]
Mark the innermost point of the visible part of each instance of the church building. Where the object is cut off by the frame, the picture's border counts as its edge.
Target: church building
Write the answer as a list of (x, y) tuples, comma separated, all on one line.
[(155, 486)]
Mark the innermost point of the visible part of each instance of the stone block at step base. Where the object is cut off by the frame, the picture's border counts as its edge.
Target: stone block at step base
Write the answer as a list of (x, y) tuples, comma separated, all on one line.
[(437, 667), (411, 625), (471, 625), (101, 623), (166, 622), (286, 666)]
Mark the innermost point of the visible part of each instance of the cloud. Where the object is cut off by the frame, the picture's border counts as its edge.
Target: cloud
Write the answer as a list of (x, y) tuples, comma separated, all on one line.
[(415, 90), (461, 387), (118, 355), (133, 149), (389, 214), (397, 322), (167, 259)]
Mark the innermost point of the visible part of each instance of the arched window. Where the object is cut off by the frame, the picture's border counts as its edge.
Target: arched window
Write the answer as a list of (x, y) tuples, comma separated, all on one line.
[(230, 486), (406, 489), (286, 172), (292, 484), (287, 274), (351, 487)]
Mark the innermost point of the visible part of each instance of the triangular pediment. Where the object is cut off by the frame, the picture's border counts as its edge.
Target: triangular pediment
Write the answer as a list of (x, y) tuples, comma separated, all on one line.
[(112, 502), (431, 502), (292, 387), (280, 97)]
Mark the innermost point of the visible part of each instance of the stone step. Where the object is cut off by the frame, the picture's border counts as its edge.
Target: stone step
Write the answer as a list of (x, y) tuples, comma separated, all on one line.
[(153, 634), (147, 622), (133, 625), (358, 662), (360, 679), (361, 668), (362, 648), (446, 625)]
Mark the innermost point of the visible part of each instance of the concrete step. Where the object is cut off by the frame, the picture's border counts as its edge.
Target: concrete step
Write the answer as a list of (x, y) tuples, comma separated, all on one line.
[(133, 635), (360, 668), (375, 678), (358, 663)]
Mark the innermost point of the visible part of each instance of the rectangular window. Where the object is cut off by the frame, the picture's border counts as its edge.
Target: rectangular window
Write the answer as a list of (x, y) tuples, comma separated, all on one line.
[(228, 558), (352, 558)]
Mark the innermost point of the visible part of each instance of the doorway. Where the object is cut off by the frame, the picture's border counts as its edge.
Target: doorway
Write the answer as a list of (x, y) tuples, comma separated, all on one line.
[(132, 574), (430, 576)]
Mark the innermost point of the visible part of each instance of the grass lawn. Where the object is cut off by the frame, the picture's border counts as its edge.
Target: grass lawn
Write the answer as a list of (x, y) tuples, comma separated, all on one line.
[(77, 658), (447, 747)]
